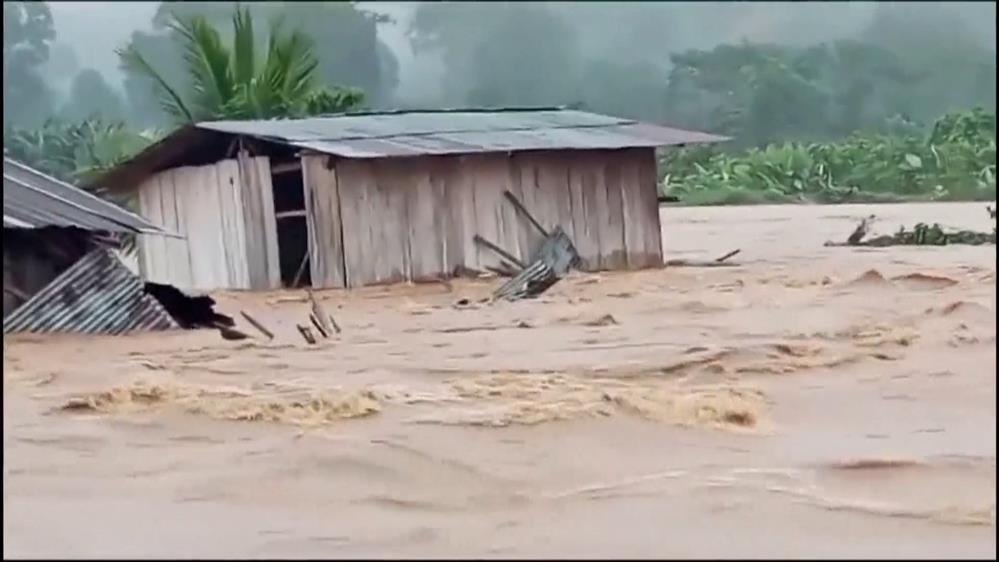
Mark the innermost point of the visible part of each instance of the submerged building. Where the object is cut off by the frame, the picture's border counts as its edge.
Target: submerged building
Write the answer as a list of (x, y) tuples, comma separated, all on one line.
[(61, 271), (361, 199)]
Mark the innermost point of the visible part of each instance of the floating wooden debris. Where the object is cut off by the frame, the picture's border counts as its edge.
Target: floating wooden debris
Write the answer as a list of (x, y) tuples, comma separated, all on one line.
[(524, 212), (253, 322), (319, 327), (507, 255), (231, 334), (861, 231), (556, 256), (306, 334), (605, 320), (323, 320), (717, 262), (920, 235)]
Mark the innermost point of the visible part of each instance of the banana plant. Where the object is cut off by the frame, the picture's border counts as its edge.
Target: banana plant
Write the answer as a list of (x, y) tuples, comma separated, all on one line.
[(956, 161)]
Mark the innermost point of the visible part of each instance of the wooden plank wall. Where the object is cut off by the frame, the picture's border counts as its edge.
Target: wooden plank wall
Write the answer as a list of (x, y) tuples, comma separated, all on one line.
[(413, 219), (322, 207), (405, 219), (257, 198), (205, 204)]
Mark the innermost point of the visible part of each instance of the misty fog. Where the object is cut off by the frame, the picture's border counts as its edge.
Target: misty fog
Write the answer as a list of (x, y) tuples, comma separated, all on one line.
[(858, 65)]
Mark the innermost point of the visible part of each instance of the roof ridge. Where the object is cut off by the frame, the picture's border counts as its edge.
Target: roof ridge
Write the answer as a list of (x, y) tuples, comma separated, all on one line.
[(375, 112), (622, 121)]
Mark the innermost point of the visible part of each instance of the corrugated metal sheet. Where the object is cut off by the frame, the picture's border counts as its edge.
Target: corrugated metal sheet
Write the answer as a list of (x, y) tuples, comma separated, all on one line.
[(454, 132), (409, 133), (32, 199), (97, 295)]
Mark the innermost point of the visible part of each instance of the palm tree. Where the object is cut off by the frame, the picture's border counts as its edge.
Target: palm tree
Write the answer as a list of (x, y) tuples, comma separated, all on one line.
[(237, 82)]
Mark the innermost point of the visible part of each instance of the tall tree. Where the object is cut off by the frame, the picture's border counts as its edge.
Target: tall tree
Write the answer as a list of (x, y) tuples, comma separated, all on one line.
[(237, 81), (761, 93), (343, 34), (90, 95), (27, 35), (499, 53), (951, 49)]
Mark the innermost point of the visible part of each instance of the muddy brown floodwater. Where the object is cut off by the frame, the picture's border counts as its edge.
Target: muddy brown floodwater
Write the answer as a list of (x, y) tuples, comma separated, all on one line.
[(812, 401)]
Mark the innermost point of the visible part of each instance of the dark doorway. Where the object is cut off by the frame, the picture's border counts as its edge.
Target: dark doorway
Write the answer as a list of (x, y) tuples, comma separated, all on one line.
[(292, 229)]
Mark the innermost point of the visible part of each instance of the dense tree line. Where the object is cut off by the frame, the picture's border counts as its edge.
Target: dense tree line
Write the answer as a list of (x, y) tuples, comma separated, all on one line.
[(745, 70)]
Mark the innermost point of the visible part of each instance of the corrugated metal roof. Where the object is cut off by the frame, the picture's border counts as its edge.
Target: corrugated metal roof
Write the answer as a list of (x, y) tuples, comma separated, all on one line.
[(408, 133), (32, 199), (377, 135), (97, 295)]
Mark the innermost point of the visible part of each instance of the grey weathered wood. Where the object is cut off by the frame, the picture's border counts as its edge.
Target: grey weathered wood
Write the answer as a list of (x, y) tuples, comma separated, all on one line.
[(645, 160), (319, 327), (727, 256), (257, 198), (324, 223), (306, 334), (323, 318), (286, 167), (480, 240), (524, 212), (256, 324), (555, 258), (297, 279)]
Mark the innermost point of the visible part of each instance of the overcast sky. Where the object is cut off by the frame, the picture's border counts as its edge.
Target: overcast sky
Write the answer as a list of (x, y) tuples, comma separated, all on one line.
[(95, 29)]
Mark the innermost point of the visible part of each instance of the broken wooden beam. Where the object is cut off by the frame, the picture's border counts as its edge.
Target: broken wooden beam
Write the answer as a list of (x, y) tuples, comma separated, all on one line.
[(728, 255), (260, 327), (524, 212), (306, 334), (503, 270), (319, 327), (510, 257), (556, 256), (699, 263), (301, 271), (323, 318)]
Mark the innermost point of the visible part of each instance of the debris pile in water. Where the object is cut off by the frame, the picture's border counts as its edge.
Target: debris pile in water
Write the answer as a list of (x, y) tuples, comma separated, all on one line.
[(920, 235)]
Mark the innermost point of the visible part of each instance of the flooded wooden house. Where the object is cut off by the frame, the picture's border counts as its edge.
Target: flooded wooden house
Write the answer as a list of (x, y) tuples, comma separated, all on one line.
[(361, 199), (61, 267)]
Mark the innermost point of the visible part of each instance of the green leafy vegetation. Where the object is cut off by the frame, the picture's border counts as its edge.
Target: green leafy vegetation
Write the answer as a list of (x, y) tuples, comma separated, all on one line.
[(78, 152), (931, 235), (956, 161), (237, 81), (343, 36), (75, 151)]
